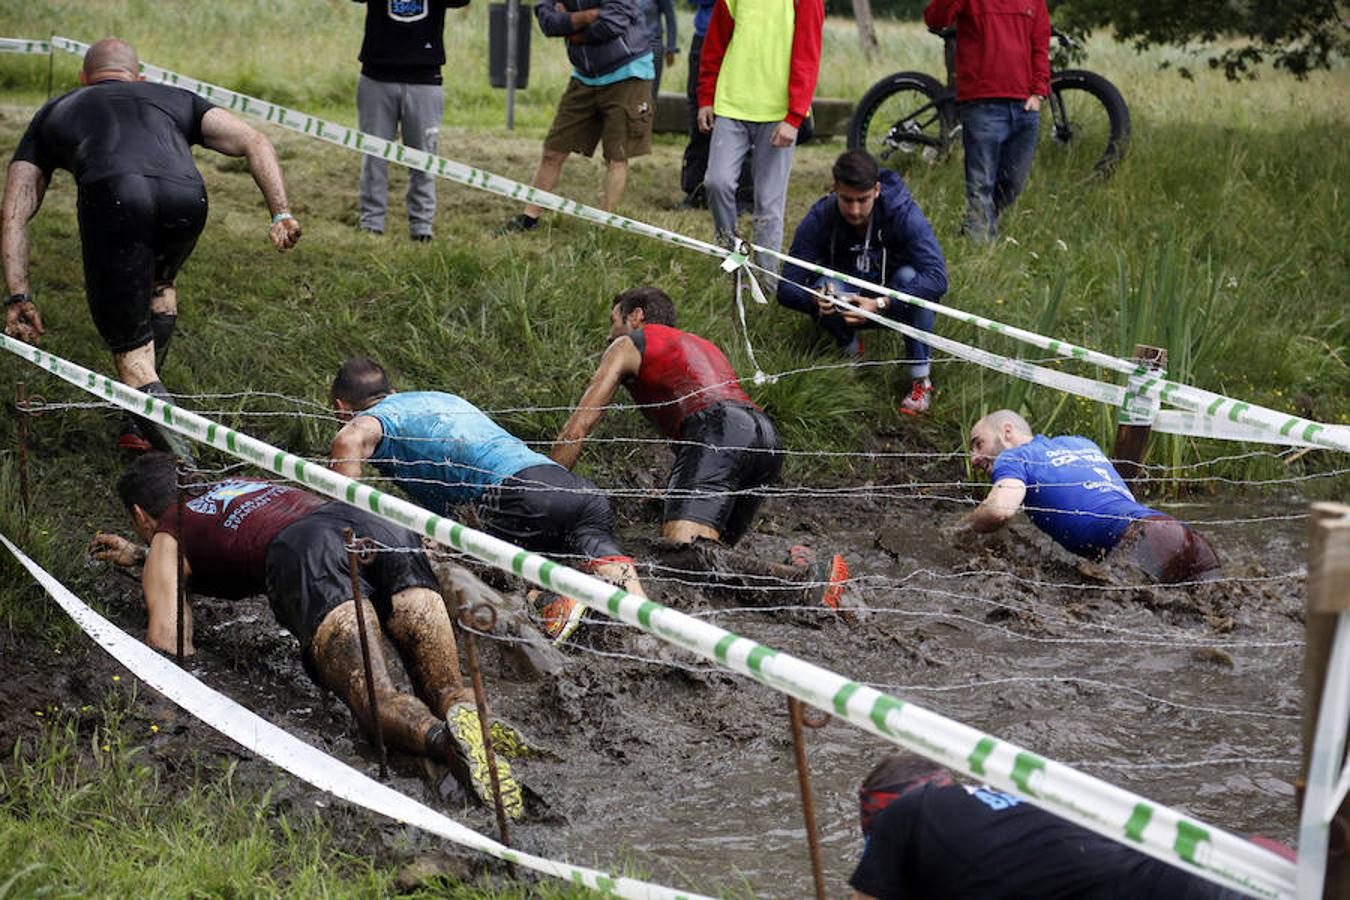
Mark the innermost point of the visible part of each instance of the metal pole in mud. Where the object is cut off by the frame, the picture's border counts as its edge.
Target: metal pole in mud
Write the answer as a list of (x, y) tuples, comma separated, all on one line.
[(1132, 437), (353, 566), (1328, 602), (22, 429), (797, 719), (180, 626), (465, 616)]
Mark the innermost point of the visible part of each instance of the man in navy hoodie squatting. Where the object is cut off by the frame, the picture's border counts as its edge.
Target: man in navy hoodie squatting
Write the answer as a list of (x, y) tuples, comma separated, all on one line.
[(869, 227)]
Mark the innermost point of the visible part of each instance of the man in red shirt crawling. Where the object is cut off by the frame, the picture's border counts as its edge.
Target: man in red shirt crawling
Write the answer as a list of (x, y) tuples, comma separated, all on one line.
[(1002, 77), (242, 537), (726, 447)]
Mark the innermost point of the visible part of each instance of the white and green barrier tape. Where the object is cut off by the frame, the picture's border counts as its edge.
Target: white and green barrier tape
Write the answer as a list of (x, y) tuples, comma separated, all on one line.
[(22, 45), (1095, 804), (309, 763), (1267, 425)]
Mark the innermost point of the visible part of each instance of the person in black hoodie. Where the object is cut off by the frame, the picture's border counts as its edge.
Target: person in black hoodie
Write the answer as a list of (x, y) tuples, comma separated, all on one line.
[(608, 100), (869, 227), (401, 58)]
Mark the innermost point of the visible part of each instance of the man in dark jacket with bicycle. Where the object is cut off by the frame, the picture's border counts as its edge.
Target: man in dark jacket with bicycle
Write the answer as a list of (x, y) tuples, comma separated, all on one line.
[(870, 228), (1002, 77), (608, 100)]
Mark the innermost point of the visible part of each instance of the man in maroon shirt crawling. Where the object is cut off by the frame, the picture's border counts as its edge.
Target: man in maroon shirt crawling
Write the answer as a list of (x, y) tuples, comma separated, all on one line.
[(242, 537), (726, 448)]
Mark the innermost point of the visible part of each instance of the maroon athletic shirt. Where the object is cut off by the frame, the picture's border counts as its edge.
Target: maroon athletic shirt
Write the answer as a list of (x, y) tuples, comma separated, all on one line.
[(680, 375), (227, 529)]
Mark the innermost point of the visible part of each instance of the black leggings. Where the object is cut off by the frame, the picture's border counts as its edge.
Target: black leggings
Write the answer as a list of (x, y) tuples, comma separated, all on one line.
[(136, 233)]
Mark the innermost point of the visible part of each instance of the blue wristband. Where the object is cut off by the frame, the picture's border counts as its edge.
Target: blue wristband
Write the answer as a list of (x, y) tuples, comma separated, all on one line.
[(281, 217)]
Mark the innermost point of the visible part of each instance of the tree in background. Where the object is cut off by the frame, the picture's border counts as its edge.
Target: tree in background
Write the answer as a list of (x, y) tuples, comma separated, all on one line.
[(1299, 36)]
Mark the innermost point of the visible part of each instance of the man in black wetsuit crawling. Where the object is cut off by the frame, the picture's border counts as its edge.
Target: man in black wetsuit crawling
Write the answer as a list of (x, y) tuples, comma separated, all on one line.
[(141, 203), (726, 448)]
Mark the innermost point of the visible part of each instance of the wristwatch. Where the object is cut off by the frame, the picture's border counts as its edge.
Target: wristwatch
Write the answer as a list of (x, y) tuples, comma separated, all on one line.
[(16, 299), (883, 303)]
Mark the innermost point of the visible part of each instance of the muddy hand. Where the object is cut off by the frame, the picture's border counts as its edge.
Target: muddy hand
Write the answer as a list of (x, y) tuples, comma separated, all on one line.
[(284, 234), (115, 549), (23, 322)]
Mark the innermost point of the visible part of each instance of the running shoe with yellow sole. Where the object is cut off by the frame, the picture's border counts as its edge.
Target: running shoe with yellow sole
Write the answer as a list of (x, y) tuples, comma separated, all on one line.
[(467, 734), (508, 742)]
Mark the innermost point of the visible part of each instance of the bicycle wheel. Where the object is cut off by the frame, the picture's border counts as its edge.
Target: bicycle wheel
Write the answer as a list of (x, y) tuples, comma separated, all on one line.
[(1089, 126), (905, 119)]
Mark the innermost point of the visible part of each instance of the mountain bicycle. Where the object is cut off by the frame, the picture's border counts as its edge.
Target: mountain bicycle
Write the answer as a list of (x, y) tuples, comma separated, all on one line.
[(911, 117)]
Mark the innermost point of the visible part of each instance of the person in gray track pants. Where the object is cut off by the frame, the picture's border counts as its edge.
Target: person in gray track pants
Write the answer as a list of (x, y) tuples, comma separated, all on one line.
[(400, 90)]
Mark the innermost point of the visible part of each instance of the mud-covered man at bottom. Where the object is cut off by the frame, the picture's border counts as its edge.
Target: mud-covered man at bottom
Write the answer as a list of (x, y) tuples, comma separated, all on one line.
[(243, 537)]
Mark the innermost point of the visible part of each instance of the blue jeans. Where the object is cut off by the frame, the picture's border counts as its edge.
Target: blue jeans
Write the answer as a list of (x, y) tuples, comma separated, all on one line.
[(999, 137), (917, 352)]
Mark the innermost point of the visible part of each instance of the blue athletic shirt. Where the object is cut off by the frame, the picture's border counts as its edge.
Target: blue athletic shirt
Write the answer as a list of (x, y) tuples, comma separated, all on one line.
[(1074, 494), (442, 450)]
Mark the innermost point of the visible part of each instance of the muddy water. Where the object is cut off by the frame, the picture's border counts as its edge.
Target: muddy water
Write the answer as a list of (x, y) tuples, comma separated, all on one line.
[(687, 772), (694, 773)]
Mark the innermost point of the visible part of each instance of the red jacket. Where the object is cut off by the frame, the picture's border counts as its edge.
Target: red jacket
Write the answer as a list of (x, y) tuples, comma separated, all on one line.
[(1002, 46), (806, 40)]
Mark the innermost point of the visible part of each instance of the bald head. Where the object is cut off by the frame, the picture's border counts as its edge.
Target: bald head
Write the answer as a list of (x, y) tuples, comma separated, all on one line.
[(110, 60), (996, 432)]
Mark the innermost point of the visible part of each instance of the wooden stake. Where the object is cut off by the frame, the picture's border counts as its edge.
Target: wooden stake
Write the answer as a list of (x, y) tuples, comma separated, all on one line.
[(796, 718), (1132, 440), (354, 566), (1328, 597)]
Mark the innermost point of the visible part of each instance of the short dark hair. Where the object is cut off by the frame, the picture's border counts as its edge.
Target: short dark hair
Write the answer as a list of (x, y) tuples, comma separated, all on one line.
[(856, 169), (657, 308), (892, 777), (150, 482), (360, 383)]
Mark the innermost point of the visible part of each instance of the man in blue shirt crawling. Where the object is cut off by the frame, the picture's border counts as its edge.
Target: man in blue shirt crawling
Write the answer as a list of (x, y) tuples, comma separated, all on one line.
[(1072, 492)]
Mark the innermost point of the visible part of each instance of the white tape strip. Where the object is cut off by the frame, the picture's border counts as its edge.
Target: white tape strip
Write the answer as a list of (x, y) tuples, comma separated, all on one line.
[(24, 45), (1092, 803), (1189, 424), (300, 759)]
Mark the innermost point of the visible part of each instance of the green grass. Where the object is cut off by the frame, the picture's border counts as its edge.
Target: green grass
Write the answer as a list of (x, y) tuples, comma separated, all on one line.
[(1222, 237)]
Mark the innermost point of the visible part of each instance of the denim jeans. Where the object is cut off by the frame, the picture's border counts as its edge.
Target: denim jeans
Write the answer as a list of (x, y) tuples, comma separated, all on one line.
[(999, 137), (917, 352)]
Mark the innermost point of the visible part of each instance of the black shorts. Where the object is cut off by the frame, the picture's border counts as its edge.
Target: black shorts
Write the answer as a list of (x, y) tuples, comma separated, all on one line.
[(308, 575), (732, 448), (136, 232), (547, 509), (1168, 550)]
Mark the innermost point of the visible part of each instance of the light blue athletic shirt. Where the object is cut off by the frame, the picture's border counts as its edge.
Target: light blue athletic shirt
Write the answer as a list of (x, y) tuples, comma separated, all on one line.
[(642, 67), (1074, 493), (442, 450)]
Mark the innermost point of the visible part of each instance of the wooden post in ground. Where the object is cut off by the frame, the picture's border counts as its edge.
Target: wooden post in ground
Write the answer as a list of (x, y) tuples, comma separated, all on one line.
[(1328, 597), (867, 31), (1132, 439)]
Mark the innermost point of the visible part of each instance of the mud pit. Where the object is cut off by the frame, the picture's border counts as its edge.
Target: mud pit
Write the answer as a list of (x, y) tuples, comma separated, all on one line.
[(687, 772)]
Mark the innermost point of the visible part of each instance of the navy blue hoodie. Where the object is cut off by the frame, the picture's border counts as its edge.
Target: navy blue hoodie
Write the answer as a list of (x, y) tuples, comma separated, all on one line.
[(899, 236)]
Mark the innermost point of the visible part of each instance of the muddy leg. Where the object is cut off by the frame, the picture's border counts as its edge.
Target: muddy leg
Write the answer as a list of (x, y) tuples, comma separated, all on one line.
[(420, 627), (336, 654), (719, 566)]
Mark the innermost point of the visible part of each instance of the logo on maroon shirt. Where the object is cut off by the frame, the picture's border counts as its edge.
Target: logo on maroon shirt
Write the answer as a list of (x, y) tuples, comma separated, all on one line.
[(219, 498)]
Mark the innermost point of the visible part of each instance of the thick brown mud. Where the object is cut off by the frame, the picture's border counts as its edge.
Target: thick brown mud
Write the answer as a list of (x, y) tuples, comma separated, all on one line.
[(1188, 696)]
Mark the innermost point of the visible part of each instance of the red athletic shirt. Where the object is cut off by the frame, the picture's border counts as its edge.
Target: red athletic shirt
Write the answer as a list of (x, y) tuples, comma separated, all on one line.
[(1002, 46), (681, 374), (227, 529)]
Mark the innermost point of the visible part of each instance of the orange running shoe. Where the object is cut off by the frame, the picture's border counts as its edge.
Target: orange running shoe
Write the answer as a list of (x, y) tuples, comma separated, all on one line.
[(561, 615), (830, 578)]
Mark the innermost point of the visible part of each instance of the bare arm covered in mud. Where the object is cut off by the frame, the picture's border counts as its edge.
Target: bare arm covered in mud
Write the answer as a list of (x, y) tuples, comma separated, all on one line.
[(1004, 499), (225, 133), (25, 186), (159, 579), (622, 360), (354, 444)]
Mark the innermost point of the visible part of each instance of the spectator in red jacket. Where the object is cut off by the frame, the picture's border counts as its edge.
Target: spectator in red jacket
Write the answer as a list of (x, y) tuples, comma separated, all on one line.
[(757, 74), (1002, 77)]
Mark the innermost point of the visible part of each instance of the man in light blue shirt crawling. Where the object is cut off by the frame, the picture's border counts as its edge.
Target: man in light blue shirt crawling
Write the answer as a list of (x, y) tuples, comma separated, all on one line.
[(443, 451), (1072, 492)]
